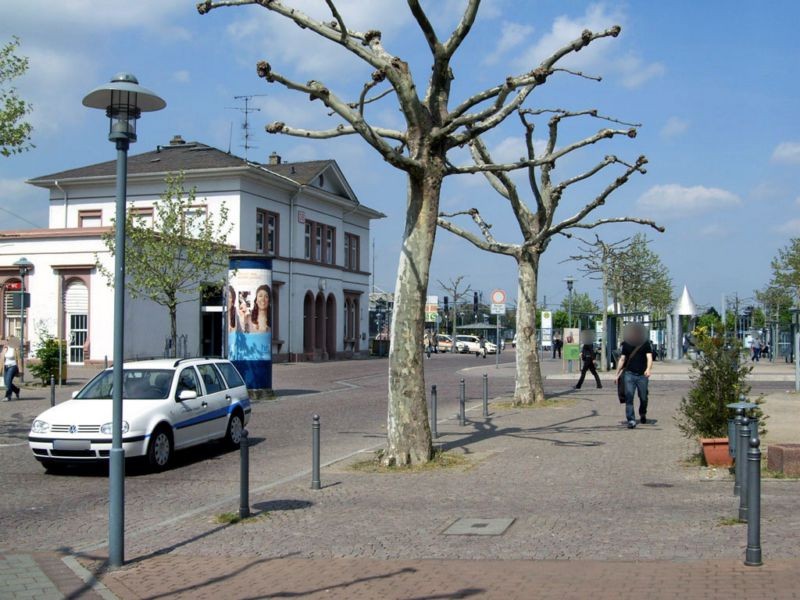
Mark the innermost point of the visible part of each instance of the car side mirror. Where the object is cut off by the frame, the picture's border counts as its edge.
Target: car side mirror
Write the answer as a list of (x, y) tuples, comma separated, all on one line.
[(75, 393), (187, 395)]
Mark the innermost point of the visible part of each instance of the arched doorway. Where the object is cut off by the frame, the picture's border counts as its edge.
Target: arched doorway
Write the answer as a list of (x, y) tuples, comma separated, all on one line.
[(308, 324), (76, 313), (330, 326), (319, 326)]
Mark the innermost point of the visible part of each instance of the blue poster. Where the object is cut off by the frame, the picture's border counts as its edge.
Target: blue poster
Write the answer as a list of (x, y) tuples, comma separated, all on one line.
[(249, 319)]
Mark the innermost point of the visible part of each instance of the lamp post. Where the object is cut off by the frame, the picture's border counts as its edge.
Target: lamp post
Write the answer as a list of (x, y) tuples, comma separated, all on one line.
[(124, 100), (796, 346), (570, 282), (24, 265)]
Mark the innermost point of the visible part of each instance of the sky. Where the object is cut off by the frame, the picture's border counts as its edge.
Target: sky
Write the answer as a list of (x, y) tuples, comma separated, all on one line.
[(714, 85)]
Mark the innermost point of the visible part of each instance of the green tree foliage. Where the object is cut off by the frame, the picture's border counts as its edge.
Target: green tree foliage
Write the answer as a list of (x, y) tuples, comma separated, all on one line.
[(582, 305), (15, 132), (183, 251), (47, 355), (639, 280), (786, 269), (718, 379)]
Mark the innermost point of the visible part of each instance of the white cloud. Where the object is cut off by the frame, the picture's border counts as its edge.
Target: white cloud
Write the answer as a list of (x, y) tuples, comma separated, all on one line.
[(182, 76), (602, 57), (714, 230), (674, 200), (511, 36), (791, 227), (787, 152), (674, 126)]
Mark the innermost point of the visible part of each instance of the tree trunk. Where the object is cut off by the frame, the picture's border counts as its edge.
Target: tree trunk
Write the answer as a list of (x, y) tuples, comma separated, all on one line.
[(604, 338), (529, 388), (408, 431), (173, 329)]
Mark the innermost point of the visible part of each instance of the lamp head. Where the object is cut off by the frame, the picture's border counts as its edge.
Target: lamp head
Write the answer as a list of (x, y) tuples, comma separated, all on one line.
[(124, 100)]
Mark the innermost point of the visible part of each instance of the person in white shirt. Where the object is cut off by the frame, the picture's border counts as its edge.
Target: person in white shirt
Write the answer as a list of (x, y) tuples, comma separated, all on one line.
[(10, 370)]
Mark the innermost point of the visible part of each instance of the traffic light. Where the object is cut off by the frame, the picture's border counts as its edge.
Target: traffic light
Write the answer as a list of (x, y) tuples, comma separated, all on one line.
[(475, 304), (446, 304)]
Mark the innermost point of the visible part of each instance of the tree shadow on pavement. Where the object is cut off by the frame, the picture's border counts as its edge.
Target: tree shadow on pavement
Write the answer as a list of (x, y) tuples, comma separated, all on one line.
[(462, 593), (335, 586)]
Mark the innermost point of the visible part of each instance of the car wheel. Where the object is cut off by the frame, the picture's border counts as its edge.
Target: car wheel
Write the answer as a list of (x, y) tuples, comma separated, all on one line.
[(235, 427), (159, 452)]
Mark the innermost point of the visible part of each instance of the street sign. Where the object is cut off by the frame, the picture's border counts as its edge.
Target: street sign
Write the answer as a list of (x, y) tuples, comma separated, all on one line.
[(498, 297), (498, 308), (431, 309)]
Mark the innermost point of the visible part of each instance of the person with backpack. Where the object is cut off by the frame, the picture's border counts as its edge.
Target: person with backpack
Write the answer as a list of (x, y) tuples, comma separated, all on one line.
[(587, 358), (634, 366)]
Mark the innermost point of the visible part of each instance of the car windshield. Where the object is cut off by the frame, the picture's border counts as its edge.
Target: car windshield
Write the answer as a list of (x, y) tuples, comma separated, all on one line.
[(138, 384)]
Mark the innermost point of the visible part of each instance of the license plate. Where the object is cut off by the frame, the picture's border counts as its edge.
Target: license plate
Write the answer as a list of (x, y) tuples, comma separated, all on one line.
[(72, 445)]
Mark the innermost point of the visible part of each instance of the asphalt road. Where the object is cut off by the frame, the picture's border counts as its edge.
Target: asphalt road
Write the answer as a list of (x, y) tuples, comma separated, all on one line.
[(40, 511)]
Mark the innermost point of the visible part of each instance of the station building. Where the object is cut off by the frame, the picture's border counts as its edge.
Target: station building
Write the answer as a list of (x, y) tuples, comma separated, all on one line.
[(303, 215)]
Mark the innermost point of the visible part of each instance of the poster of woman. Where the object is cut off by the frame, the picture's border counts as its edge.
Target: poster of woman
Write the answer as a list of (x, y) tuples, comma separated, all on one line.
[(249, 320)]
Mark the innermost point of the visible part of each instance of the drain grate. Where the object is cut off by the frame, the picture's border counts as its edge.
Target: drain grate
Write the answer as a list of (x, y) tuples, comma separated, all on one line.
[(466, 526)]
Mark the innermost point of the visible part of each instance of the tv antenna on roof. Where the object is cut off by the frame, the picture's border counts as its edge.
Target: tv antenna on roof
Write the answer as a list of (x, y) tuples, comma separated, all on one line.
[(246, 110)]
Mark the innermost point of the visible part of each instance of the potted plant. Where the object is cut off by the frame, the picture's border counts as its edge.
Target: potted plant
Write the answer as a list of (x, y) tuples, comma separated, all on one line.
[(718, 378)]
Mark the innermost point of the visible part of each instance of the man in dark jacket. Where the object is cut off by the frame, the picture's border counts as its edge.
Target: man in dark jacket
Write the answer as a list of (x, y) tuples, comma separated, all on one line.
[(636, 361), (587, 357)]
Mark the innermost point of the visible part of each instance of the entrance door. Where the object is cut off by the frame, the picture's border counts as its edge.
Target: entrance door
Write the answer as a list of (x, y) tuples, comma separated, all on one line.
[(76, 307), (211, 333)]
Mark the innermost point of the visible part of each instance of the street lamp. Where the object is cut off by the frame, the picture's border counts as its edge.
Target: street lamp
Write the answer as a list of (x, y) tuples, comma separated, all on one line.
[(570, 282), (24, 265), (124, 100), (796, 346)]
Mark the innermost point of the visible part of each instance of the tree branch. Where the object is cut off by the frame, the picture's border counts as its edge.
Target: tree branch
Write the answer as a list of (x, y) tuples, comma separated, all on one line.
[(475, 240), (426, 26), (324, 134), (599, 222), (463, 28), (337, 15), (317, 90)]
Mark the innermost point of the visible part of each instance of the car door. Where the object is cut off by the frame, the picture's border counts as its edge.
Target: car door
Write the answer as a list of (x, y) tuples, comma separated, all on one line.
[(190, 416), (218, 400)]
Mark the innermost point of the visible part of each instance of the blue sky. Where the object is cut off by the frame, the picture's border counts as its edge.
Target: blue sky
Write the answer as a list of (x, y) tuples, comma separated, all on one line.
[(714, 84)]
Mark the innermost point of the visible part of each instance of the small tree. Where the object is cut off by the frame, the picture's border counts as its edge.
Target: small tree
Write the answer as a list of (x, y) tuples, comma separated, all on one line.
[(718, 380), (15, 133), (50, 355), (456, 293), (170, 260)]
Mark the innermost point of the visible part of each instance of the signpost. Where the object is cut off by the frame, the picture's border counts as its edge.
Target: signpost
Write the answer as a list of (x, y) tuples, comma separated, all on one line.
[(498, 308)]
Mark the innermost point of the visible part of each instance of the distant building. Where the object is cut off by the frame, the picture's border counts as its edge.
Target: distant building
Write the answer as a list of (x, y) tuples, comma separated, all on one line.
[(304, 215)]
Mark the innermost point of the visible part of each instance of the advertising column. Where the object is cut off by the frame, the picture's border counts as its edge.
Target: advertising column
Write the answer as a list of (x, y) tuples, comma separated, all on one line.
[(249, 319)]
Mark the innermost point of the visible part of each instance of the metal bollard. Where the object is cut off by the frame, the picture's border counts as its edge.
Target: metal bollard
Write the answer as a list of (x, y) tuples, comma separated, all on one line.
[(105, 362), (462, 402), (52, 390), (744, 437), (485, 395), (753, 553), (244, 476), (739, 455), (315, 484), (434, 410)]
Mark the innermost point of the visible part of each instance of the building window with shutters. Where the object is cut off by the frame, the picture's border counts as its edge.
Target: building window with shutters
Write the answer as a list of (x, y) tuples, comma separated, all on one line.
[(90, 218), (142, 216), (351, 252), (320, 243), (266, 232), (12, 317), (76, 320)]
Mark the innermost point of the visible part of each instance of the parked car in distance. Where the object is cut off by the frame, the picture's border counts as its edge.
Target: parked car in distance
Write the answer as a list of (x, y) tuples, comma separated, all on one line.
[(514, 341), (445, 342), (472, 344), (167, 404)]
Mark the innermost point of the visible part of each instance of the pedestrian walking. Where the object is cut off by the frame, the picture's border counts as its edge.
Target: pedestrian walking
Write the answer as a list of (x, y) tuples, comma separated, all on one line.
[(557, 343), (10, 370), (634, 367), (426, 342), (756, 347), (587, 358), (482, 344)]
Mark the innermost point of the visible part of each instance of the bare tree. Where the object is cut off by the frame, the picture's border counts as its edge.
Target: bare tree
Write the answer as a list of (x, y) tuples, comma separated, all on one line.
[(432, 129), (597, 258), (456, 293), (538, 225)]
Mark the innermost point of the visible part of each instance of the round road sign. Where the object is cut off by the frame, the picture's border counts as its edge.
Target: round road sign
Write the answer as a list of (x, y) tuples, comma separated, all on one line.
[(498, 296)]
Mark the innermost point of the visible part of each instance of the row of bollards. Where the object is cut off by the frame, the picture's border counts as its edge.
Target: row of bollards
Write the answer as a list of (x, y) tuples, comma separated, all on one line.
[(244, 447), (745, 447), (52, 390)]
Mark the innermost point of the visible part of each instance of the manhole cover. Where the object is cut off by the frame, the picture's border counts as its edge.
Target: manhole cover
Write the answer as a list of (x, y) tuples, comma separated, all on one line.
[(658, 485), (479, 527)]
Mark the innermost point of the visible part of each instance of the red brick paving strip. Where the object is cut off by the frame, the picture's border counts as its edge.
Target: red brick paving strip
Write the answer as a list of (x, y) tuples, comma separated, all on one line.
[(236, 578), (67, 582)]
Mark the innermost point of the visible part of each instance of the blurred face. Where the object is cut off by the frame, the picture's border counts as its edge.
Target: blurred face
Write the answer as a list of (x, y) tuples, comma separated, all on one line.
[(262, 299), (634, 333)]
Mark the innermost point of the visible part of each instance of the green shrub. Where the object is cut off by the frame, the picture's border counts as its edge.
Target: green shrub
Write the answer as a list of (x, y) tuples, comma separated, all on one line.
[(718, 379), (47, 356)]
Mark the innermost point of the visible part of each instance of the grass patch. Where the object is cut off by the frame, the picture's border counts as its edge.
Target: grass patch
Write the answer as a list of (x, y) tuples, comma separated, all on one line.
[(440, 460), (508, 405), (726, 521), (695, 460), (231, 518)]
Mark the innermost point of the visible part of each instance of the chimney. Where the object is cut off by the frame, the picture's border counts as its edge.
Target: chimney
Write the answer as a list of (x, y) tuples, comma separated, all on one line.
[(177, 141), (274, 158)]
